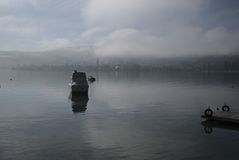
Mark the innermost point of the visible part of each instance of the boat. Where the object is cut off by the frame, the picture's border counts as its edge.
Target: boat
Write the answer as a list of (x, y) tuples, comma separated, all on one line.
[(79, 84)]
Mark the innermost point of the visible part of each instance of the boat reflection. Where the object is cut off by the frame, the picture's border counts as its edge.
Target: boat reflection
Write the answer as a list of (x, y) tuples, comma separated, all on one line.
[(209, 125), (79, 102)]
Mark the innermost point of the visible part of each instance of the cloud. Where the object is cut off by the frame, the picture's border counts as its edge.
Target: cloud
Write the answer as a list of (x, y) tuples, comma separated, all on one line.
[(30, 24), (124, 13), (122, 27), (185, 41), (17, 3), (159, 28), (14, 25), (55, 44), (18, 33), (93, 32)]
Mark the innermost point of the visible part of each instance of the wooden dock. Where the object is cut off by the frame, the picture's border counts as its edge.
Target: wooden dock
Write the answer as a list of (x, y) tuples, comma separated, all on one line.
[(232, 117)]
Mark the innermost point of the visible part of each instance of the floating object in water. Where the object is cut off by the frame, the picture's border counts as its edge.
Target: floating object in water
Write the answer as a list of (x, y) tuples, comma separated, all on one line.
[(221, 116), (10, 79), (91, 79), (79, 83), (232, 86)]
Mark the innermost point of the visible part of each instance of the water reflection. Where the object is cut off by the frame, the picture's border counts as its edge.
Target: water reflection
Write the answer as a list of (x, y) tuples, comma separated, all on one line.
[(209, 125), (79, 102), (140, 115)]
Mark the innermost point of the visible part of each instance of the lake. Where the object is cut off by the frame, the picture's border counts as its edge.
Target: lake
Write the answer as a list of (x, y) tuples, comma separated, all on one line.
[(126, 116)]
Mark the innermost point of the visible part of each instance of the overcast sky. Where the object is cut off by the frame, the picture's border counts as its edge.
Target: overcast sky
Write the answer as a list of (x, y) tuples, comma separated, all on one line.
[(122, 27)]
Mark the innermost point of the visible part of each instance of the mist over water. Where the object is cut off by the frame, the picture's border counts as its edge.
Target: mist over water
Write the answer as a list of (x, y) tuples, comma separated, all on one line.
[(129, 115), (159, 64)]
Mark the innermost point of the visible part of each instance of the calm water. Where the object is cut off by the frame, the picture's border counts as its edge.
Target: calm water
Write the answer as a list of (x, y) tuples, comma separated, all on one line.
[(127, 116)]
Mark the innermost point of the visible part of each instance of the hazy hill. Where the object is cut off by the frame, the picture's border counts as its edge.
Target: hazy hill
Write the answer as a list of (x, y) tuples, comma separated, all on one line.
[(85, 57), (52, 57)]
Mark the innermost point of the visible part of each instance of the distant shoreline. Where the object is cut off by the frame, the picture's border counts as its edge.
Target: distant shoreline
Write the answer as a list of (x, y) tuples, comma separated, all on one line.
[(93, 69)]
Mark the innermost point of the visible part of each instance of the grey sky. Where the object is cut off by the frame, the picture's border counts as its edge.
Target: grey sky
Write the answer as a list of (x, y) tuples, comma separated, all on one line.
[(122, 27)]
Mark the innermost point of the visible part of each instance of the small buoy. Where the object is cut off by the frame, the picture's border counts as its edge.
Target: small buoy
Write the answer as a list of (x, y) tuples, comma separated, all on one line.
[(232, 86), (10, 79)]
